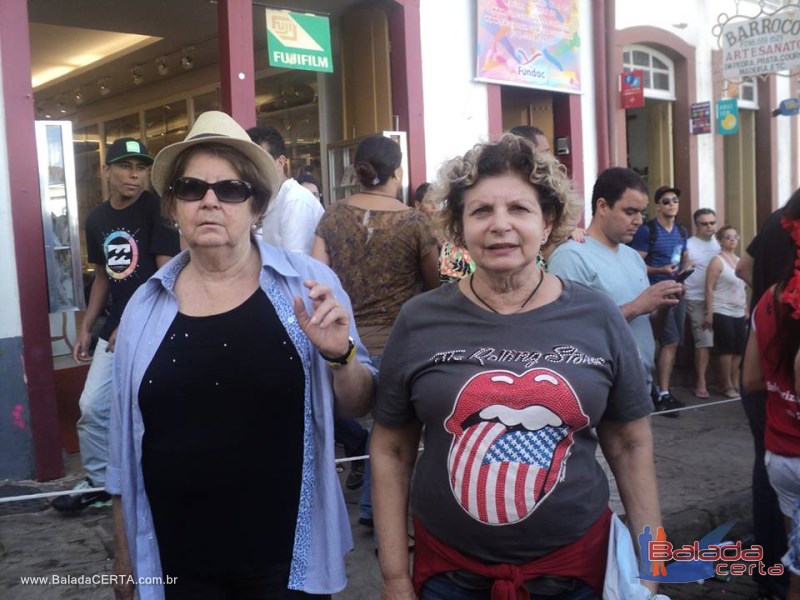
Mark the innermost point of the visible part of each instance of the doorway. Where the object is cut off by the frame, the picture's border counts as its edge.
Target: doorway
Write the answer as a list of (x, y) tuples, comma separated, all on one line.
[(650, 144)]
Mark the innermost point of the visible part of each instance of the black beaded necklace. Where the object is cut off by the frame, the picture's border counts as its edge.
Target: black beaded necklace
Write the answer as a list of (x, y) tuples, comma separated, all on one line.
[(523, 305)]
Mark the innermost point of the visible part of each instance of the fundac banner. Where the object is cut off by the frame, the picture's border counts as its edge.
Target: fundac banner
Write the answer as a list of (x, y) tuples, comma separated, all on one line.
[(530, 44), (299, 41)]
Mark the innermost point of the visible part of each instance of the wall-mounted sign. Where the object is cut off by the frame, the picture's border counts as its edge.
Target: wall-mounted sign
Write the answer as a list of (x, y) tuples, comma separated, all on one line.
[(766, 43), (700, 118), (299, 41), (787, 108), (728, 116), (530, 44), (631, 93)]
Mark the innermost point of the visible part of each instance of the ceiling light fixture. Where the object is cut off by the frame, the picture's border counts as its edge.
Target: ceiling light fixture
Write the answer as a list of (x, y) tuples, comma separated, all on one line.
[(78, 96), (187, 62), (105, 86), (62, 107), (162, 66), (138, 79)]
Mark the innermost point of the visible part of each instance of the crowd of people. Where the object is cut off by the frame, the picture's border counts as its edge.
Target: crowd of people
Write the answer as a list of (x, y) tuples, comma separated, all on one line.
[(526, 353)]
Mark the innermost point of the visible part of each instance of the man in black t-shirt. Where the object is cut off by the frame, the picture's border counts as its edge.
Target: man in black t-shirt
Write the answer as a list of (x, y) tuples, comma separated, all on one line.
[(127, 241), (763, 264)]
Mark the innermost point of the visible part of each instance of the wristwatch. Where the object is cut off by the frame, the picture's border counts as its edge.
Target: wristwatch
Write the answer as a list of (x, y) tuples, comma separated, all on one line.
[(339, 361)]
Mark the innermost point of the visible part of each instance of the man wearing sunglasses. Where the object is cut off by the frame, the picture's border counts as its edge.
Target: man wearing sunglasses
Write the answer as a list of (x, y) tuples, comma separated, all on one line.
[(702, 247), (662, 242), (292, 216), (127, 241)]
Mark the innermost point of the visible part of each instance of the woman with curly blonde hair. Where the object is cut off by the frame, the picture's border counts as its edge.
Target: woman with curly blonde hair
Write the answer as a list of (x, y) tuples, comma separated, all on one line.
[(509, 371)]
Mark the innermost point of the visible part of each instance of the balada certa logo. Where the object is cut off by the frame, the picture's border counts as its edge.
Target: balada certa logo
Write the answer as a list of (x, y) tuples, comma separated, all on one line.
[(661, 561)]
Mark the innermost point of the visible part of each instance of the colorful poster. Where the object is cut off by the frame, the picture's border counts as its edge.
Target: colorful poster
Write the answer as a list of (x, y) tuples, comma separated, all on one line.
[(530, 43), (632, 89), (700, 118), (728, 116)]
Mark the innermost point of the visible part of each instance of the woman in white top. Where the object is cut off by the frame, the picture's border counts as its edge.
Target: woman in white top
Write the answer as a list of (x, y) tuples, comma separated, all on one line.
[(726, 310)]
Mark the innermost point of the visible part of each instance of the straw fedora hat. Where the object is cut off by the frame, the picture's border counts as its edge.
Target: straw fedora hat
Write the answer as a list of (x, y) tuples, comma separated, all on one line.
[(219, 128)]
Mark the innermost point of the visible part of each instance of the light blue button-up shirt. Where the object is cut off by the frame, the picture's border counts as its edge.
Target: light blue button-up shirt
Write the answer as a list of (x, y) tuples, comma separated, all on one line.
[(322, 531)]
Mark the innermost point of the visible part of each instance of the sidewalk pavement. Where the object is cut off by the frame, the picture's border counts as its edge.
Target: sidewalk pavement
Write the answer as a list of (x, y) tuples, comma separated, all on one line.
[(703, 459)]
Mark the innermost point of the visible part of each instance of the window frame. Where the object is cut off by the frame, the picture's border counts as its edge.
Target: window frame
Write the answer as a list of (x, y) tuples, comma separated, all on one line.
[(651, 92)]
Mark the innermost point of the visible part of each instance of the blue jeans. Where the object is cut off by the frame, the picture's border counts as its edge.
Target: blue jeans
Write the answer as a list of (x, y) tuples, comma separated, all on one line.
[(365, 502), (351, 435), (95, 405), (441, 587)]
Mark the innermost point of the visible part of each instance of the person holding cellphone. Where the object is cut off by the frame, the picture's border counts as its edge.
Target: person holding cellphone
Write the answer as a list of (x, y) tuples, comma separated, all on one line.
[(662, 242)]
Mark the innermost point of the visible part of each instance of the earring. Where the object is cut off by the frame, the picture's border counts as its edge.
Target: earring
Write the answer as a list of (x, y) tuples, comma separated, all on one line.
[(540, 259)]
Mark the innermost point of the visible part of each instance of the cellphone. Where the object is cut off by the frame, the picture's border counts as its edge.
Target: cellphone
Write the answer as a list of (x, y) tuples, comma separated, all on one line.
[(684, 275)]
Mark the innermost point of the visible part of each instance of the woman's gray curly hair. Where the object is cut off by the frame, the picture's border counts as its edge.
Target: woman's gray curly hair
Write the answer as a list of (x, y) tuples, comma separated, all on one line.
[(561, 206)]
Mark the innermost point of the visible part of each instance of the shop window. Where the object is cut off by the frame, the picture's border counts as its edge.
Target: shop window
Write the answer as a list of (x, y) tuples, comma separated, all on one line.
[(658, 70), (208, 101), (165, 125), (748, 94), (127, 126), (289, 103), (88, 176)]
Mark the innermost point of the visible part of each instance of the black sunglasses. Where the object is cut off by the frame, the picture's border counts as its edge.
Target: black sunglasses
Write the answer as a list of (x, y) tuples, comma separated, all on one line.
[(190, 189), (670, 200)]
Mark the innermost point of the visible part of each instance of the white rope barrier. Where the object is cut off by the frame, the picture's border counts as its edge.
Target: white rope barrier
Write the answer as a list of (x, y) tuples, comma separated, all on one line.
[(338, 461)]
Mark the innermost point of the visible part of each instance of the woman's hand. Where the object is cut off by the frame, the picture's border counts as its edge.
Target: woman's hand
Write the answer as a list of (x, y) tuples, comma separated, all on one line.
[(122, 569), (123, 573), (398, 589), (328, 327), (578, 235)]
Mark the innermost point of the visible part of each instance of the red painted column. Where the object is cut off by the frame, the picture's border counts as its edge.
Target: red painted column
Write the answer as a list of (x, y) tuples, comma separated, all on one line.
[(601, 99), (236, 63), (494, 101), (28, 237), (407, 98)]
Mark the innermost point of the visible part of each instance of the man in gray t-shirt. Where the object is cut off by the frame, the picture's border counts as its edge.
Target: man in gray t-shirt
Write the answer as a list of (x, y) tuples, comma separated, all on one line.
[(604, 261)]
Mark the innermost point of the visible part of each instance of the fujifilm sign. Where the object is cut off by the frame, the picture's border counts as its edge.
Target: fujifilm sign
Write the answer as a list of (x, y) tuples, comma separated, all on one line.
[(299, 41)]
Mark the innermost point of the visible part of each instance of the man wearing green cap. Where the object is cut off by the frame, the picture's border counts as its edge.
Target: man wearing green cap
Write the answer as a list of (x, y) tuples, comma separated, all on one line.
[(127, 241)]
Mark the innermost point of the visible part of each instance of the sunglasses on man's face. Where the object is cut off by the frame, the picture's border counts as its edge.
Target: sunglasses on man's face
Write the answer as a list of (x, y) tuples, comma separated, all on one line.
[(733, 237), (669, 200), (706, 223), (190, 189)]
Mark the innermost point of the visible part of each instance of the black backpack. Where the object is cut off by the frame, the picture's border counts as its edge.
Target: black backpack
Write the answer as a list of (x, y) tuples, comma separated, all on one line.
[(651, 227)]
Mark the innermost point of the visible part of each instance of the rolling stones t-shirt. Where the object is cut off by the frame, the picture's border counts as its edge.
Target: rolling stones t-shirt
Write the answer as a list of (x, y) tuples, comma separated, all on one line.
[(125, 243), (509, 403)]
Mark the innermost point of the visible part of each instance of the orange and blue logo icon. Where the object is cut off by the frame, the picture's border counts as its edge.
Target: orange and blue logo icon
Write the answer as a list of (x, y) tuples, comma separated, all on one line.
[(710, 556)]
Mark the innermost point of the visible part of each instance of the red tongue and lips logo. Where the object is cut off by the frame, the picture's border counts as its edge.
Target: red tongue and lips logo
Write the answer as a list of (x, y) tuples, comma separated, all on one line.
[(511, 437)]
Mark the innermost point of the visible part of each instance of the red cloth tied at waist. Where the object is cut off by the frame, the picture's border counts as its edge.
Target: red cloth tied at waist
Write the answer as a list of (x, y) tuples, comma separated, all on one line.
[(583, 559)]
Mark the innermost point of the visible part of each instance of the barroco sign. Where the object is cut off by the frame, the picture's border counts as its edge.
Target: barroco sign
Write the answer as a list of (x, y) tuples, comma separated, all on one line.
[(766, 44), (299, 41)]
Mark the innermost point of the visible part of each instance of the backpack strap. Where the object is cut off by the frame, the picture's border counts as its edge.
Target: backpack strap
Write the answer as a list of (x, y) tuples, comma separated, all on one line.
[(651, 226)]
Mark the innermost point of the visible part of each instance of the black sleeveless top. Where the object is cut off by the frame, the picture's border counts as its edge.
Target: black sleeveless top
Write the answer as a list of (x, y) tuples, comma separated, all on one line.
[(222, 403)]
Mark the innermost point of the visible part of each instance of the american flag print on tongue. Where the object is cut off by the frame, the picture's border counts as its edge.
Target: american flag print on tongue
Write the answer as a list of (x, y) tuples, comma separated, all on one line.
[(512, 435)]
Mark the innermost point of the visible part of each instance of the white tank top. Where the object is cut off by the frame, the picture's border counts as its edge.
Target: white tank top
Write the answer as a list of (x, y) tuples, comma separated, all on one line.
[(729, 292)]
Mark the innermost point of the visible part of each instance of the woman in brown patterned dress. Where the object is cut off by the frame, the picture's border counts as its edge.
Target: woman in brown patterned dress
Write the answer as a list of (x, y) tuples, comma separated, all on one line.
[(383, 251)]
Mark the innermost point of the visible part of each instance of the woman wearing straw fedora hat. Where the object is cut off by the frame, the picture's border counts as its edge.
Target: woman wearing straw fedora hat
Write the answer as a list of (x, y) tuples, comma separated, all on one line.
[(233, 353)]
